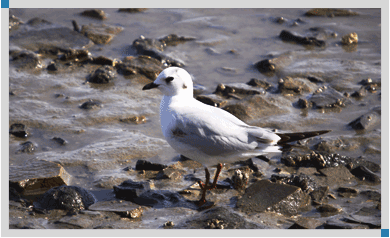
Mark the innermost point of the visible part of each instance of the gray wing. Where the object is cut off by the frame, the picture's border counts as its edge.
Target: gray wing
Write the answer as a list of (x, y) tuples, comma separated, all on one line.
[(215, 132)]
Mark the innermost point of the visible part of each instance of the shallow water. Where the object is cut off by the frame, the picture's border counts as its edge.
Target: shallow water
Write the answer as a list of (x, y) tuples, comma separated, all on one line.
[(100, 146)]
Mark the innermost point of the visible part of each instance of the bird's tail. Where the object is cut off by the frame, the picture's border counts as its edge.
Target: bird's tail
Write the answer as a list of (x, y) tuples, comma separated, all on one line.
[(290, 137)]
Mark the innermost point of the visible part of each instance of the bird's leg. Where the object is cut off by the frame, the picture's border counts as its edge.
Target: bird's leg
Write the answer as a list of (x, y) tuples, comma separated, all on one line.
[(219, 168), (206, 186)]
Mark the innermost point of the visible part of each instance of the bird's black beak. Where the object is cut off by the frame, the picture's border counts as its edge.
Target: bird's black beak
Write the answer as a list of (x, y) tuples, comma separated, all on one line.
[(150, 86)]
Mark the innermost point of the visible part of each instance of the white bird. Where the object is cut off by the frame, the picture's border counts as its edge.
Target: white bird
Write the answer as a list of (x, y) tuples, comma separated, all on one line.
[(208, 134)]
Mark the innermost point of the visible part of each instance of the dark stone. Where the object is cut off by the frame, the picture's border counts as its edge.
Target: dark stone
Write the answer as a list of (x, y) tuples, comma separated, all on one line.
[(259, 83), (102, 60), (236, 90), (362, 92), (330, 12), (129, 189), (303, 103), (77, 55), (289, 85), (52, 67), (337, 175), (132, 10), (25, 59), (49, 39), (364, 173), (155, 47), (306, 223), (319, 194), (265, 66), (303, 181), (266, 196), (144, 65), (38, 22), (290, 37), (171, 172), (91, 104), (328, 98), (18, 130), (94, 13), (253, 107), (37, 177), (315, 79), (76, 26), (100, 34), (13, 22), (102, 75), (347, 192), (134, 119), (365, 121), (372, 195), (327, 208), (217, 218), (212, 100), (68, 198), (60, 141), (146, 165), (27, 147)]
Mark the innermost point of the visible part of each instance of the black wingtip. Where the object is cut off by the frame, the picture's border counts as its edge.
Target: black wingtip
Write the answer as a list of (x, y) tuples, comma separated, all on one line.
[(291, 137)]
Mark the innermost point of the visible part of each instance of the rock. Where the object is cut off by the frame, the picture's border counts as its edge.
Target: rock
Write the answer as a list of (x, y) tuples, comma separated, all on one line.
[(327, 208), (259, 83), (27, 147), (155, 47), (52, 67), (319, 194), (146, 165), (366, 121), (68, 198), (337, 175), (289, 85), (362, 92), (100, 34), (374, 222), (371, 195), (129, 189), (94, 13), (253, 107), (266, 196), (49, 39), (132, 10), (274, 64), (73, 55), (25, 59), (18, 130), (102, 75), (349, 39), (60, 141), (102, 60), (315, 79), (173, 172), (329, 98), (364, 173), (303, 181), (168, 224), (13, 22), (134, 119), (91, 104), (123, 208), (306, 223), (144, 65), (330, 12), (303, 103), (240, 179), (37, 177), (237, 90), (217, 218), (347, 192), (212, 100), (290, 37)]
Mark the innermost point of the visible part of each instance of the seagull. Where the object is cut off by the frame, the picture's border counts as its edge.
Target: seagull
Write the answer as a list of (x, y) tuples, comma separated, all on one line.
[(207, 134)]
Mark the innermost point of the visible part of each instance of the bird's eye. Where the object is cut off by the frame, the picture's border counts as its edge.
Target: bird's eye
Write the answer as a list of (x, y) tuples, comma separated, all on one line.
[(169, 79)]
